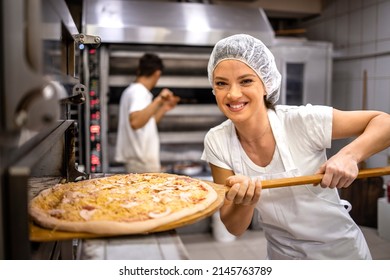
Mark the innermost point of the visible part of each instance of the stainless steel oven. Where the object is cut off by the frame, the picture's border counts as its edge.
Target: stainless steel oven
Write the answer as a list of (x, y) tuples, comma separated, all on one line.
[(40, 93)]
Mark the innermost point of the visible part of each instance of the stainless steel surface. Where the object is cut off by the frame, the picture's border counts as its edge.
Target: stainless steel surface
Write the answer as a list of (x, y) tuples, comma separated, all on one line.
[(84, 39), (183, 137), (157, 246), (191, 117), (49, 153), (29, 54), (184, 67), (172, 23), (61, 10), (39, 67), (316, 60)]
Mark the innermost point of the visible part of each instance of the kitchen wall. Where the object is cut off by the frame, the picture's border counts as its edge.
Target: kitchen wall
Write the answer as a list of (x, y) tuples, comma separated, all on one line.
[(360, 33)]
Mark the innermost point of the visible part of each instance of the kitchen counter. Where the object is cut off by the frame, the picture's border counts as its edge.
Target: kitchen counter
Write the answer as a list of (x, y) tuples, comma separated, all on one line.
[(157, 246)]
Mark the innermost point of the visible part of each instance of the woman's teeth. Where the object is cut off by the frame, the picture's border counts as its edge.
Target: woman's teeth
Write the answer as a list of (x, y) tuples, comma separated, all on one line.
[(236, 106)]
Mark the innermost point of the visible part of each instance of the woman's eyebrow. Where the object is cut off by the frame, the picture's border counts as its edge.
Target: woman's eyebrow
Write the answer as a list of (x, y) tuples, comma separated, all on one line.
[(246, 76), (240, 77), (220, 78)]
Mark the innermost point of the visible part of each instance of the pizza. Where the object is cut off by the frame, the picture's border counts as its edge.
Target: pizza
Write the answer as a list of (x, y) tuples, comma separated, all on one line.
[(121, 204)]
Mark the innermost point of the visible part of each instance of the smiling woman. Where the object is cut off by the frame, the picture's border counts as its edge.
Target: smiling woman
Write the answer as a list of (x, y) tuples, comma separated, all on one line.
[(263, 141)]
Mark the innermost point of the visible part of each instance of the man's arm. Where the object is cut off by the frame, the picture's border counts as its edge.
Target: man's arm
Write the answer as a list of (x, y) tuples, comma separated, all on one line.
[(139, 118)]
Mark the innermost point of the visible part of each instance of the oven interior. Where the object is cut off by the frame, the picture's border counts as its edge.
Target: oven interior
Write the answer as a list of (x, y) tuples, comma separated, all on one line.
[(182, 129)]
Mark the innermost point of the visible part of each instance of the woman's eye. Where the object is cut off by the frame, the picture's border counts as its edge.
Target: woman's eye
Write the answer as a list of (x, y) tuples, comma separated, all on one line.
[(246, 81), (220, 84)]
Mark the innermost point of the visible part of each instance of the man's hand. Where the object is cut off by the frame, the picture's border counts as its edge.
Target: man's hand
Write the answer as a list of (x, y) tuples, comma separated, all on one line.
[(169, 100)]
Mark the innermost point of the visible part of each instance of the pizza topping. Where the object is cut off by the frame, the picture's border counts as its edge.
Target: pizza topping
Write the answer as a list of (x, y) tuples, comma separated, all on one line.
[(155, 215), (71, 197), (129, 204), (56, 212), (166, 199), (184, 188), (86, 214), (185, 196), (165, 192), (89, 207)]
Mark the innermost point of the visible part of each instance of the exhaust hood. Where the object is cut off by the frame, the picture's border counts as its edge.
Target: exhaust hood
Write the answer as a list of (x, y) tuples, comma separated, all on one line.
[(190, 24)]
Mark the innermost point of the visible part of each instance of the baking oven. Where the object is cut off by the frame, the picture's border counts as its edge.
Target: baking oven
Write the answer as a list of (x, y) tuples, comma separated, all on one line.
[(41, 92)]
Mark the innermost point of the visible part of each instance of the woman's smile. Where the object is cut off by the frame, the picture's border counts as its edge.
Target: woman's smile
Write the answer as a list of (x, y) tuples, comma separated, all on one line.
[(236, 106)]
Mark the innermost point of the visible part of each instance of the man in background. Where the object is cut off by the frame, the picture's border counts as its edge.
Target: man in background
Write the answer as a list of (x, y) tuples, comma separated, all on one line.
[(138, 144)]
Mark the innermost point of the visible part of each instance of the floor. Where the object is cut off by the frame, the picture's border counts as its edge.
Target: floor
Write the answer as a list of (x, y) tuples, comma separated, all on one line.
[(252, 245)]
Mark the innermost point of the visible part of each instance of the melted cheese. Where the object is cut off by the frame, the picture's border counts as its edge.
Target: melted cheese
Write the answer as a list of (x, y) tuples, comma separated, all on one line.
[(121, 198)]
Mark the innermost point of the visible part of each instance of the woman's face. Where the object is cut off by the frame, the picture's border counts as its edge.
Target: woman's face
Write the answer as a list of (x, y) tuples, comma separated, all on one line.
[(239, 92)]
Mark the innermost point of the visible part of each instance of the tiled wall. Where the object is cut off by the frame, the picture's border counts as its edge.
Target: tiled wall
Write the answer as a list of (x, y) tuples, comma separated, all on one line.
[(360, 33)]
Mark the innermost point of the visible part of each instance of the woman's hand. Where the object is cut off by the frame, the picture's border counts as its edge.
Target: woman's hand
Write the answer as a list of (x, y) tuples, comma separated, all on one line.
[(339, 172), (243, 190)]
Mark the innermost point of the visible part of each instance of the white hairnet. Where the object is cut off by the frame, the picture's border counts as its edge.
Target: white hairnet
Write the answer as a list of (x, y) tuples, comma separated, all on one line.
[(253, 53)]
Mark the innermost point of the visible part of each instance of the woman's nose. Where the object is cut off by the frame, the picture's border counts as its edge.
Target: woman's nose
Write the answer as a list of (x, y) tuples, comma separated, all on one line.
[(234, 92)]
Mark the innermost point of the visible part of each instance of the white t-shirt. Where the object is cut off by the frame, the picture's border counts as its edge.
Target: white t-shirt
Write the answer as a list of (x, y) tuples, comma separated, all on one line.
[(302, 222), (308, 130), (140, 148)]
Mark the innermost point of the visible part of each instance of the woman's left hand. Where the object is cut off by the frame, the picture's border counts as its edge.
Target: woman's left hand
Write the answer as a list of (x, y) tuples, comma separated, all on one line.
[(339, 172)]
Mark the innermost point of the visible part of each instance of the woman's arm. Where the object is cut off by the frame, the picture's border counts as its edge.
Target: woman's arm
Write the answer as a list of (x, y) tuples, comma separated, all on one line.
[(372, 132), (237, 210)]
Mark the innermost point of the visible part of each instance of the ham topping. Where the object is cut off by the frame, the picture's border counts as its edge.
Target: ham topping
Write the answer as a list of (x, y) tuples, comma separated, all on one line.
[(56, 212), (86, 214)]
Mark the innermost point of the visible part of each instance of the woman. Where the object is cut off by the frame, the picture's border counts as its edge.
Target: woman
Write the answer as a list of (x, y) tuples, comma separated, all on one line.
[(261, 140)]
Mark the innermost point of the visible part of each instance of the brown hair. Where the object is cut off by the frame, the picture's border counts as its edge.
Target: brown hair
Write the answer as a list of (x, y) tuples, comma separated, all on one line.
[(148, 64)]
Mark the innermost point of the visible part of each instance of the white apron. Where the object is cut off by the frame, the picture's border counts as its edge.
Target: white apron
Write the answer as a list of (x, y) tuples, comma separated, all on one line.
[(303, 222)]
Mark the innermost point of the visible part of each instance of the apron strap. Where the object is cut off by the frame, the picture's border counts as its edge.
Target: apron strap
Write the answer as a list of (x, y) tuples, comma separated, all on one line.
[(281, 142), (236, 154)]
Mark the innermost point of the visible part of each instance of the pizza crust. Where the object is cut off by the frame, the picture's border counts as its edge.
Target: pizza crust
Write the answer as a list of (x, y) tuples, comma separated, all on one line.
[(44, 219)]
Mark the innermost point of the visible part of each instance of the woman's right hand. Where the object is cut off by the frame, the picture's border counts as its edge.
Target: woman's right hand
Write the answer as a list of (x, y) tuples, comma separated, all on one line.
[(243, 190)]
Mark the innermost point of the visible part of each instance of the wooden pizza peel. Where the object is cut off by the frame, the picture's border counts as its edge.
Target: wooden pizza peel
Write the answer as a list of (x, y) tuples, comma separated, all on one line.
[(40, 234)]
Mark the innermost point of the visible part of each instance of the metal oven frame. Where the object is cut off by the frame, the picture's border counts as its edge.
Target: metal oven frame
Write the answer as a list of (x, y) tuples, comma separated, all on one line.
[(39, 84)]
